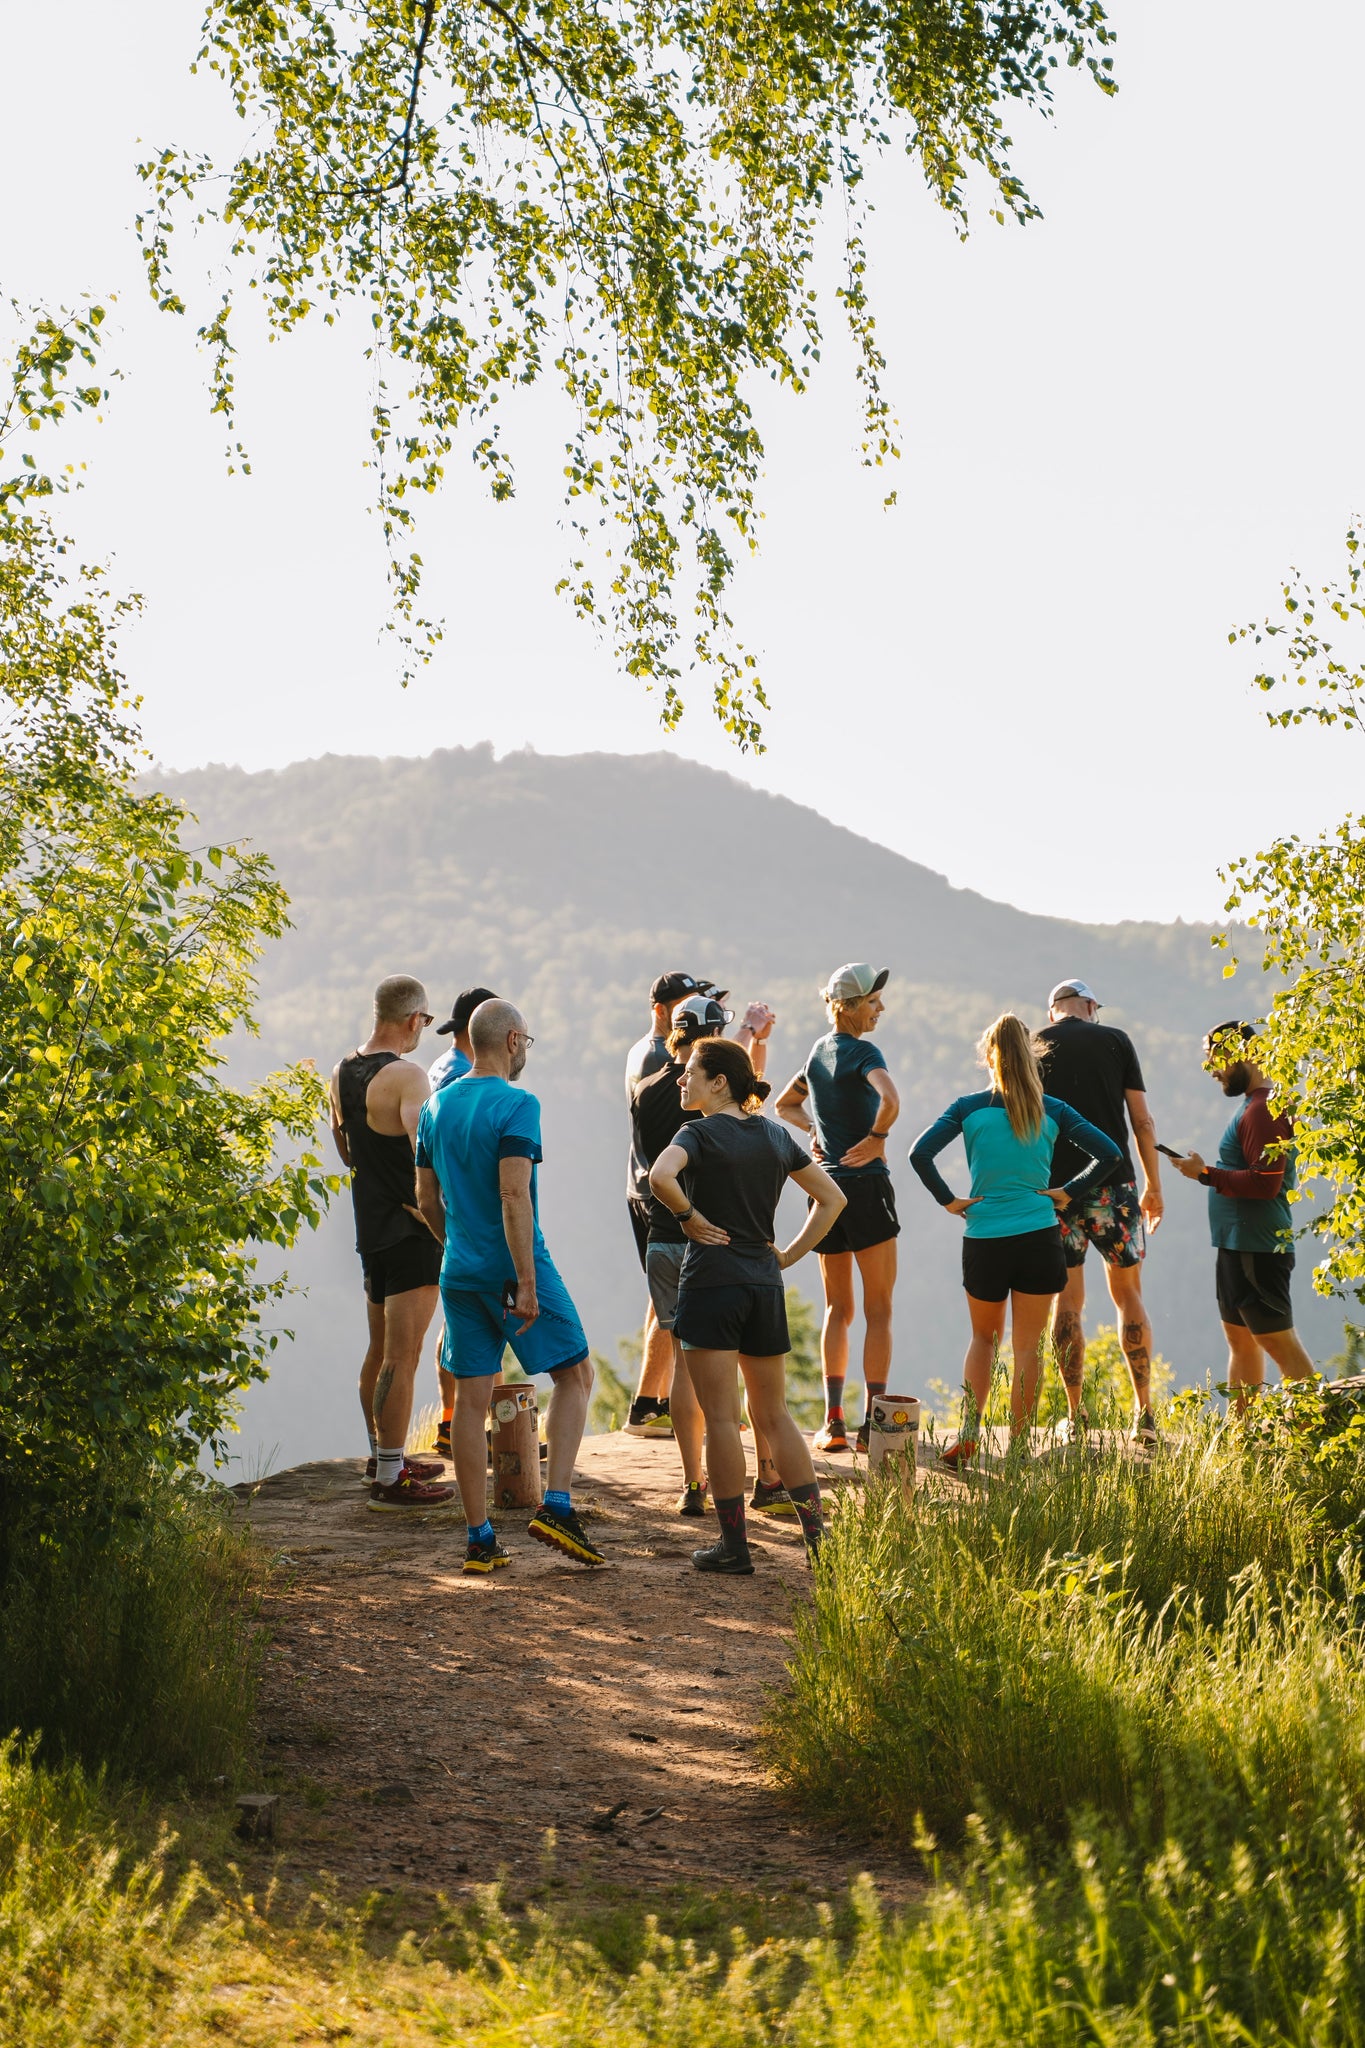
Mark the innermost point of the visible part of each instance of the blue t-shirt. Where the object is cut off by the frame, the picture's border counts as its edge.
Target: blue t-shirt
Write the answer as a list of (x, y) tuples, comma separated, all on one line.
[(449, 1067), (1008, 1173), (462, 1133), (843, 1102)]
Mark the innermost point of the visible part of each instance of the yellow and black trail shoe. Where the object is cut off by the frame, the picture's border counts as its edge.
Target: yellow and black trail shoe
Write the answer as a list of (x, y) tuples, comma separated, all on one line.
[(562, 1530)]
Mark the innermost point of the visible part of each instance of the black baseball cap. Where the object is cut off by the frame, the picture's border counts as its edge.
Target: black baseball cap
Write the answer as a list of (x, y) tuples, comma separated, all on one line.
[(1234, 1028), (708, 988), (466, 1003), (671, 988)]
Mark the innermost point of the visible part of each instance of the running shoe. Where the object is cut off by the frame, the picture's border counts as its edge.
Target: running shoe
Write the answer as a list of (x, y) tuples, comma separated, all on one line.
[(1072, 1428), (728, 1564), (1144, 1430), (485, 1557), (961, 1451), (771, 1500), (565, 1532), (408, 1492), (832, 1437), (646, 1417), (692, 1500), (443, 1449), (862, 1442), (418, 1468)]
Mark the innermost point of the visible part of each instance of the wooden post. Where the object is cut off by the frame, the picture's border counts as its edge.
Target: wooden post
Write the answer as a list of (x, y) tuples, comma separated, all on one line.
[(516, 1445)]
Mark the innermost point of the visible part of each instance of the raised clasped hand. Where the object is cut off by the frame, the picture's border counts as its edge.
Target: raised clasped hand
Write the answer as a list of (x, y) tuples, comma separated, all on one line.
[(702, 1232)]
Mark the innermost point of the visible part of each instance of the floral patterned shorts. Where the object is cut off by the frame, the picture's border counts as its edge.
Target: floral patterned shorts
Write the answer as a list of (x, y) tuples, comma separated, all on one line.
[(1111, 1220)]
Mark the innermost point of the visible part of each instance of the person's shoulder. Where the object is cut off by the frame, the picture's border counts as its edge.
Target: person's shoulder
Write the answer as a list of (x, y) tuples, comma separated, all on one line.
[(823, 1049), (1116, 1036), (980, 1098)]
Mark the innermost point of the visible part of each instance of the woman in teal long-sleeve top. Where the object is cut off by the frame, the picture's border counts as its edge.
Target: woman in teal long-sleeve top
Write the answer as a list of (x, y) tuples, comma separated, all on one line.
[(1012, 1250)]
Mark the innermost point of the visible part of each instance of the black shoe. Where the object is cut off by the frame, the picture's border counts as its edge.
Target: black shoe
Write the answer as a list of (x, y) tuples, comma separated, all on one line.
[(1144, 1430), (692, 1499), (771, 1500), (485, 1557), (649, 1417), (564, 1532), (862, 1442), (443, 1449), (730, 1564)]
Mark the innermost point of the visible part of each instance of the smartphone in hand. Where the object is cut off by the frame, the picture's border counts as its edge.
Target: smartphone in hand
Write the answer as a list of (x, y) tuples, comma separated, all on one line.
[(1170, 1151)]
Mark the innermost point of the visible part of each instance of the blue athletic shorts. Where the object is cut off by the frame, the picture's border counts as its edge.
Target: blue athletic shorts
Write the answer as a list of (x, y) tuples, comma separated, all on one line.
[(479, 1325)]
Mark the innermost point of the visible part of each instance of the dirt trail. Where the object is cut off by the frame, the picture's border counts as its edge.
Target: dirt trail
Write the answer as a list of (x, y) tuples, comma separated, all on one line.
[(427, 1729)]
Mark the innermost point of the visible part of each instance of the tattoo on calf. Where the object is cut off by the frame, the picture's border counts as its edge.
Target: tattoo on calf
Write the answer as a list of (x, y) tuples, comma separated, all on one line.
[(381, 1391), (1069, 1342), (1139, 1361)]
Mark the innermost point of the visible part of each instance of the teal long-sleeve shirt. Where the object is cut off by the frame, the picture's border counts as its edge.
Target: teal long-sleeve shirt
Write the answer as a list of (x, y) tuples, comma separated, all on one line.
[(1010, 1173)]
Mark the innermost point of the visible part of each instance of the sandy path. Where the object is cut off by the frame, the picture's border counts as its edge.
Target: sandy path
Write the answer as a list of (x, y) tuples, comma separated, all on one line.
[(428, 1729)]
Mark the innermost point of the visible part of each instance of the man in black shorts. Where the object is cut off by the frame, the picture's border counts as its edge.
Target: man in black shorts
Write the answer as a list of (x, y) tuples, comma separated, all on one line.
[(1249, 1218), (377, 1095), (846, 1098), (1094, 1068)]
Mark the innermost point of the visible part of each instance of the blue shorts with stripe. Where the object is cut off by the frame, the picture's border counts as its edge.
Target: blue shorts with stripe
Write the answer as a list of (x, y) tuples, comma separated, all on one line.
[(479, 1324)]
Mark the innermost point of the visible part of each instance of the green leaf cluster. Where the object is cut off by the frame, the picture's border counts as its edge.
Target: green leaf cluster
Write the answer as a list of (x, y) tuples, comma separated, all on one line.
[(624, 197), (1307, 898), (134, 1183)]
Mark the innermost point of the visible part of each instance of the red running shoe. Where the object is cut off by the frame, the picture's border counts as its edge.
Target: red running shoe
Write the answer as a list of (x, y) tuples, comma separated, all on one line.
[(408, 1492), (958, 1453), (419, 1468)]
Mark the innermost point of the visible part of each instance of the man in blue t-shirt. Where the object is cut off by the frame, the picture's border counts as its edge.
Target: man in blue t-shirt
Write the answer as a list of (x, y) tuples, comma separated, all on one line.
[(1249, 1218), (845, 1098), (455, 1061), (478, 1147)]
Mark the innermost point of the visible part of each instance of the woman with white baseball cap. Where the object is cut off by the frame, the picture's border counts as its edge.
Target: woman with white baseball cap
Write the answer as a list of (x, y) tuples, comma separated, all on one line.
[(845, 1097)]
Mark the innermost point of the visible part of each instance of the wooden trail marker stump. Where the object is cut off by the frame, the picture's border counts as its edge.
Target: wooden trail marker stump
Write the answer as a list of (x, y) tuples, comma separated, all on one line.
[(516, 1445)]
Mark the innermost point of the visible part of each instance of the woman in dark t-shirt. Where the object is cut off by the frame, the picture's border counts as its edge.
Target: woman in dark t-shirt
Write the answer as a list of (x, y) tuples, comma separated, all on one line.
[(721, 1177)]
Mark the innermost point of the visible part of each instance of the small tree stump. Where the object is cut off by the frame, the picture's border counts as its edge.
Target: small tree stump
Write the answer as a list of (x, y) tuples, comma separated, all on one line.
[(256, 1816), (516, 1445)]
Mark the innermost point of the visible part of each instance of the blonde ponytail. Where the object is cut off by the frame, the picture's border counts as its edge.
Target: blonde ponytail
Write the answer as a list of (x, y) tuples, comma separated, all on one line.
[(1006, 1048)]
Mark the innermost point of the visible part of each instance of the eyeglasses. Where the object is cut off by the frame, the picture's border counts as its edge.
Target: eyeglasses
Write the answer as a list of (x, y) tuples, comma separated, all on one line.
[(426, 1019), (526, 1038)]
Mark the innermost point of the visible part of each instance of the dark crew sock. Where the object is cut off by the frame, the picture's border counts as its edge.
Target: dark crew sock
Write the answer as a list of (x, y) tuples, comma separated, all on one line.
[(733, 1536), (834, 1399), (807, 1502)]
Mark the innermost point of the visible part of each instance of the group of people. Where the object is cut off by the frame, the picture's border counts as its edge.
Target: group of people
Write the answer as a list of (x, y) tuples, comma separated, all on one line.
[(444, 1185)]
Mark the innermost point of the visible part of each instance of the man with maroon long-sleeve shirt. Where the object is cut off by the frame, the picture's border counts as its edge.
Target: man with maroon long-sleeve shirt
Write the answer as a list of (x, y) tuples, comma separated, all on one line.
[(1249, 1218)]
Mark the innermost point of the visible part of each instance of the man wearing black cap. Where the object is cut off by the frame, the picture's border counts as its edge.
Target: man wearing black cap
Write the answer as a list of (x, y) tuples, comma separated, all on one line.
[(846, 1098), (456, 1060), (1094, 1068), (1249, 1218), (649, 1415)]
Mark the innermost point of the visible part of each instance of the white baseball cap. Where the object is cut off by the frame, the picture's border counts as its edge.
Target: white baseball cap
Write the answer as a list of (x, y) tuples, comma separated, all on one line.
[(854, 981), (1067, 989)]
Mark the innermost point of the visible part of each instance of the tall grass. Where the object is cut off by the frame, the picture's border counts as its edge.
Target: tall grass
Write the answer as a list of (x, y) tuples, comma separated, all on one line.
[(128, 1640)]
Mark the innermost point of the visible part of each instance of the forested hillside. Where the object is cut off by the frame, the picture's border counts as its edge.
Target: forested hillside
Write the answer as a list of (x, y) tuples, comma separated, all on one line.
[(567, 883)]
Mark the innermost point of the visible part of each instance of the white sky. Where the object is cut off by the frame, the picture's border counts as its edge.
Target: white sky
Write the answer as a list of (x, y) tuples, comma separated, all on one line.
[(1120, 426)]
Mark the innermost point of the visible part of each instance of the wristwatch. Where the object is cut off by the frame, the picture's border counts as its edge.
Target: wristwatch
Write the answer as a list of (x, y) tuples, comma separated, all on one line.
[(684, 1215)]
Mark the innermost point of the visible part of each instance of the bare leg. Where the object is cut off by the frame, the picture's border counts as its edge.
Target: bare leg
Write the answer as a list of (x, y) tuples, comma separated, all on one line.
[(689, 1425), (717, 1389), (370, 1364), (1135, 1331), (988, 1327), (1068, 1337), (836, 1276), (407, 1318), (1028, 1318), (469, 1448), (1246, 1366), (444, 1380), (565, 1420), (877, 1266), (656, 1360), (1288, 1353), (765, 1382)]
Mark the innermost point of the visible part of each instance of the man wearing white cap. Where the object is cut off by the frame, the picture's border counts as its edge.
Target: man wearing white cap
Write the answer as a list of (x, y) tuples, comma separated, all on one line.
[(846, 1099), (1094, 1068)]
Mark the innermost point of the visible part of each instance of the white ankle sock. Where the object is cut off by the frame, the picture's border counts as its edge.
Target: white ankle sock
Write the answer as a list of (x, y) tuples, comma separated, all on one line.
[(388, 1465)]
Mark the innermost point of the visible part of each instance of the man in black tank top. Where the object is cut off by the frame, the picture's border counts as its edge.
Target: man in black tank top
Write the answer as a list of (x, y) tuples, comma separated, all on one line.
[(377, 1097)]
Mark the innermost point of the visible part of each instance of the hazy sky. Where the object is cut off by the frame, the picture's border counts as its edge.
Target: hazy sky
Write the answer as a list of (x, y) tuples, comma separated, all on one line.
[(1120, 425)]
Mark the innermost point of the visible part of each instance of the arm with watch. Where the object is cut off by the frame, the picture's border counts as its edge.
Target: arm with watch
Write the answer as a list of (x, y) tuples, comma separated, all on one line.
[(667, 1188)]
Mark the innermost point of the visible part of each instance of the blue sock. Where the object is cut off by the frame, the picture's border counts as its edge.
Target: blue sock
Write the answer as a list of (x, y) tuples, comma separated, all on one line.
[(560, 1502), (483, 1534)]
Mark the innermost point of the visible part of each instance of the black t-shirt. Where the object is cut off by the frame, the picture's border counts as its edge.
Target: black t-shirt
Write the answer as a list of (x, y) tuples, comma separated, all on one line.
[(1090, 1066), (738, 1168), (656, 1114)]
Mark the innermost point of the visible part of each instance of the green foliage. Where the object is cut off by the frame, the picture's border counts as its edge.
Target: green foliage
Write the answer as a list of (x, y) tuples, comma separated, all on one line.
[(805, 1385), (133, 1182), (1307, 897), (1107, 1391), (613, 1390), (129, 1640), (624, 199)]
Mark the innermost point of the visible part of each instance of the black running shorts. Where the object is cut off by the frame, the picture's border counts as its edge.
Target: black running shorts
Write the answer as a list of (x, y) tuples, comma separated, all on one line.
[(1029, 1263), (870, 1217), (399, 1268), (1253, 1290), (639, 1223), (748, 1319)]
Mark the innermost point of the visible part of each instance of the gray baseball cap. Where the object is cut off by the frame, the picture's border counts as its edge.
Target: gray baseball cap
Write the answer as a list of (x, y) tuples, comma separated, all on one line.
[(700, 1016), (1065, 990), (853, 981)]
